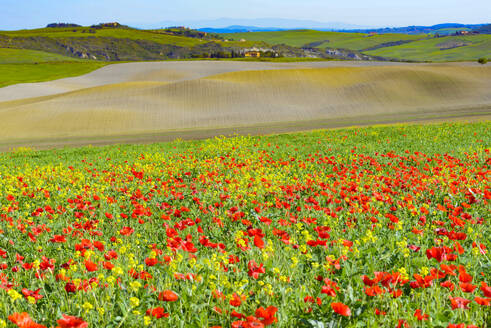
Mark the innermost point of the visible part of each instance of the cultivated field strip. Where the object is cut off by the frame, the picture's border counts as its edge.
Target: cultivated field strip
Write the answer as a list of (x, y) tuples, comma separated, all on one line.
[(163, 71), (219, 97)]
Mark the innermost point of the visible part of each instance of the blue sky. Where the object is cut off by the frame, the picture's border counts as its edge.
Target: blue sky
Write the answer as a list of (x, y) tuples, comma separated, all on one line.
[(15, 14)]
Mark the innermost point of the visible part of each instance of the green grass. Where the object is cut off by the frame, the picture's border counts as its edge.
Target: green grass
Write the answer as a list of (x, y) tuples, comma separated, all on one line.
[(430, 50), (24, 66), (25, 73), (386, 195), (24, 56), (298, 38)]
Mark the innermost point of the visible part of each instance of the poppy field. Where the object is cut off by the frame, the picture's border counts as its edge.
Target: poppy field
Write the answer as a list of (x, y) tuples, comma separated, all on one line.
[(361, 227)]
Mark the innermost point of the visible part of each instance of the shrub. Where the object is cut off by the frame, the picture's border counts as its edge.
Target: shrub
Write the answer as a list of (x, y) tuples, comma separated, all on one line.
[(482, 60)]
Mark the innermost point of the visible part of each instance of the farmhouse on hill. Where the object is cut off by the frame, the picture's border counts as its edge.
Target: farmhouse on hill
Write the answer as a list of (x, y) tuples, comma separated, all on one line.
[(259, 52), (255, 54)]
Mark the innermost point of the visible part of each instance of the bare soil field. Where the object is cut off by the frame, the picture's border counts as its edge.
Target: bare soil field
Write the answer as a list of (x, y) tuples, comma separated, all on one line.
[(144, 102)]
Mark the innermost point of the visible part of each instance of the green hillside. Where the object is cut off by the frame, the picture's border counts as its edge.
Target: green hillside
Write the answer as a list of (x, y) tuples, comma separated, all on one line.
[(157, 36), (124, 44), (26, 73), (24, 65), (320, 39), (22, 56), (50, 53), (452, 48), (119, 33)]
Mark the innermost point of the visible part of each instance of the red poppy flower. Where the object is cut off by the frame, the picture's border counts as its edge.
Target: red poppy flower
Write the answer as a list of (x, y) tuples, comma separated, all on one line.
[(267, 315), (448, 284), (99, 246), (168, 296), (466, 287), (420, 316), (90, 266), (396, 293), (70, 287), (236, 300), (367, 281), (438, 253), (23, 320), (68, 321), (486, 290), (341, 309), (58, 239), (111, 255), (151, 262), (254, 269), (464, 276), (483, 301), (378, 312), (247, 324), (35, 294), (373, 291), (108, 265), (459, 302), (157, 312), (126, 231), (259, 242), (237, 315)]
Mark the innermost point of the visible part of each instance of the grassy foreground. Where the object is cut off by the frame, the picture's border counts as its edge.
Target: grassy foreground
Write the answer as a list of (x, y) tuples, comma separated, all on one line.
[(377, 227)]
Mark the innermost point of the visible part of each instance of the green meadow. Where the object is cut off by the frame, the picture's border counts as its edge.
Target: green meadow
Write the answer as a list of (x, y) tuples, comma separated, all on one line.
[(26, 73), (452, 48), (299, 38)]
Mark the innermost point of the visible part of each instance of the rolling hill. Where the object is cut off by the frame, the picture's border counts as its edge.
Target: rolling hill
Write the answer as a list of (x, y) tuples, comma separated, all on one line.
[(390, 46), (320, 39), (120, 43), (451, 48), (23, 65), (134, 100), (23, 56), (63, 51), (117, 33)]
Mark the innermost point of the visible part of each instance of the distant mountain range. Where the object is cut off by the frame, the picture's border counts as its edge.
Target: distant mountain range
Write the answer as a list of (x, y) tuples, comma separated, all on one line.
[(418, 29), (239, 29), (403, 30), (255, 24), (234, 25)]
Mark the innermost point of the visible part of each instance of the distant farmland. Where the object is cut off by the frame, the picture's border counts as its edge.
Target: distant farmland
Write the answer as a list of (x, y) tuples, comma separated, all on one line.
[(452, 48), (419, 47), (299, 38), (157, 98)]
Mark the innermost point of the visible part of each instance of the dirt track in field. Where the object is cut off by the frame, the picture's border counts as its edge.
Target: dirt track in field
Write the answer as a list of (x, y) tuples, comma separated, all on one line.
[(141, 101)]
